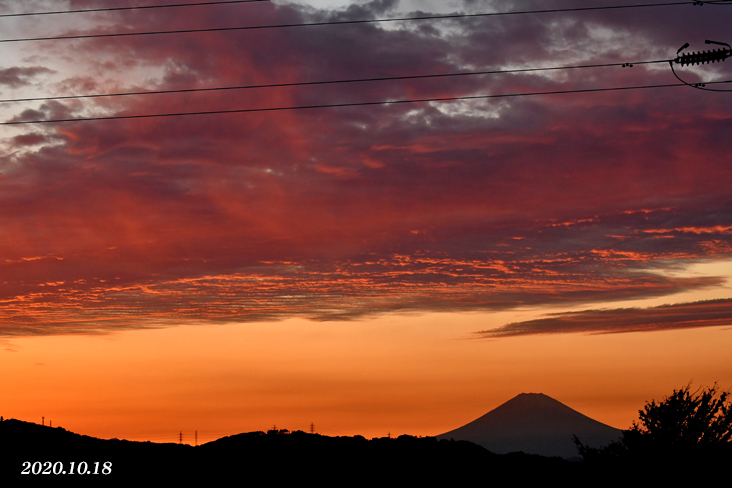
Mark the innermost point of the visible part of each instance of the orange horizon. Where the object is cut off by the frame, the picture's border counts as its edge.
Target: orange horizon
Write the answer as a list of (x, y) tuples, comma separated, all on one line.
[(348, 378)]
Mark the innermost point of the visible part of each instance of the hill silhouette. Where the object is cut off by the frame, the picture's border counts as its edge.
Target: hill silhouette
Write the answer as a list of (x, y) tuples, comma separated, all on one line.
[(534, 423), (26, 441), (256, 456)]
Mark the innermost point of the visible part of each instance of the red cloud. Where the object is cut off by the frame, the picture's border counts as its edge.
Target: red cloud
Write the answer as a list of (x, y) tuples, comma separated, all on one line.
[(453, 206)]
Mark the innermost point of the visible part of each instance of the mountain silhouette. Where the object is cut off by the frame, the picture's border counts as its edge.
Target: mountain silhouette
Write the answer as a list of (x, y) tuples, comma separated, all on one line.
[(535, 424)]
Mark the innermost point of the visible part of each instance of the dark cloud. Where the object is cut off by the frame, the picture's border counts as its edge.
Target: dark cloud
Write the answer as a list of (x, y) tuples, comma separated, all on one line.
[(708, 313), (51, 110), (19, 76), (32, 139)]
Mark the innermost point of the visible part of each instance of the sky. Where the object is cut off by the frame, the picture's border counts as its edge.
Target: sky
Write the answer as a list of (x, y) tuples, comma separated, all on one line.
[(372, 269)]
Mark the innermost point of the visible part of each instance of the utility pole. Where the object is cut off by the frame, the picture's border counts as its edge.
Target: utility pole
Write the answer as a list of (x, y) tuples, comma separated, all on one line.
[(312, 428), (180, 437), (196, 441), (43, 420)]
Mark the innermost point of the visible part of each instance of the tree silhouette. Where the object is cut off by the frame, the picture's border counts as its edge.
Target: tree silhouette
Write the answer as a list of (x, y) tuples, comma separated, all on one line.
[(689, 425), (687, 419)]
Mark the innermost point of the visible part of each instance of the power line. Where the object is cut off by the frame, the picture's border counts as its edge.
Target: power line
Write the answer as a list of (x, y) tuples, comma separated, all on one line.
[(328, 82), (346, 22), (351, 104), (139, 7), (197, 4)]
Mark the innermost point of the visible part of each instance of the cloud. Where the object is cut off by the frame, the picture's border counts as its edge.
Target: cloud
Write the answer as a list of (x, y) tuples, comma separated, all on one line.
[(708, 313), (17, 76), (348, 212)]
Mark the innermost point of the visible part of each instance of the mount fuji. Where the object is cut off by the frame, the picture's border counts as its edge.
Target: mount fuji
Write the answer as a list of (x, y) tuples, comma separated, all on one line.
[(535, 424)]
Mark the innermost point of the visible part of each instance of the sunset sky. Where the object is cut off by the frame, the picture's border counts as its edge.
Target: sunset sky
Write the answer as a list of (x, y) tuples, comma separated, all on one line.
[(372, 269)]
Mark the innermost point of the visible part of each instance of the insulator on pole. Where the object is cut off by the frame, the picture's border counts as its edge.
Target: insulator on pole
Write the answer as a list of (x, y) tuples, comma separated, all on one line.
[(703, 57)]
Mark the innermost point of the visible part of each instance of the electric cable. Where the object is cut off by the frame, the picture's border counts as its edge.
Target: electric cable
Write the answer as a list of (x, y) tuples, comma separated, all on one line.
[(328, 82), (139, 7), (347, 22), (350, 104), (198, 4)]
